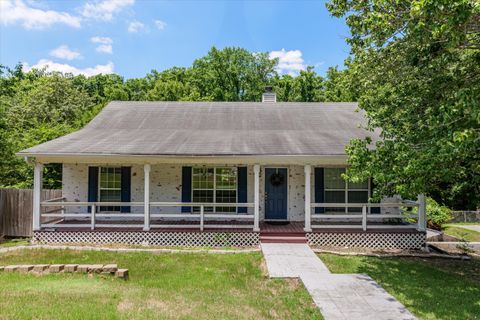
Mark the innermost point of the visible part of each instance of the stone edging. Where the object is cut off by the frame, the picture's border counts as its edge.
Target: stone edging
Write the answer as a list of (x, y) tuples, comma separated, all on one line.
[(386, 255), (158, 250)]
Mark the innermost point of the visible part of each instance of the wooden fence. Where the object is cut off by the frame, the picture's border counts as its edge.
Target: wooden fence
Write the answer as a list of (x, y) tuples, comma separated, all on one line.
[(16, 210)]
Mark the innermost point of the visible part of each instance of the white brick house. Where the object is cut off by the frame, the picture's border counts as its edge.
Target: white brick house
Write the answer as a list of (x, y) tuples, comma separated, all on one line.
[(189, 172)]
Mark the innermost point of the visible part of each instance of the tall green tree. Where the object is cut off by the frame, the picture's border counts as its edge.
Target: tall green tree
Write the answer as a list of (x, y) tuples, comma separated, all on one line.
[(418, 69)]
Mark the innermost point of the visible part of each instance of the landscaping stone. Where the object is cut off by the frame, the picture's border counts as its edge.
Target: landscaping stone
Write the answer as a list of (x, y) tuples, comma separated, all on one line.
[(110, 268), (25, 268), (70, 267), (83, 268), (40, 267), (55, 268), (11, 268), (122, 273), (96, 268)]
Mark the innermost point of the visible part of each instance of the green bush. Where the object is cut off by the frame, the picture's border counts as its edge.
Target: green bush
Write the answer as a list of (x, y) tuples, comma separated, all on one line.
[(437, 214)]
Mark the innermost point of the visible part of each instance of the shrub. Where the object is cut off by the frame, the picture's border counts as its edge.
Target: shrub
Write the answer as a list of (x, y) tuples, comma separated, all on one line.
[(437, 214)]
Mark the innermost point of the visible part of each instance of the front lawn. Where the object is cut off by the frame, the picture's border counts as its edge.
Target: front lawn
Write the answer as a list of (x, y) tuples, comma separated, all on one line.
[(430, 288), (456, 231), (14, 242), (161, 286)]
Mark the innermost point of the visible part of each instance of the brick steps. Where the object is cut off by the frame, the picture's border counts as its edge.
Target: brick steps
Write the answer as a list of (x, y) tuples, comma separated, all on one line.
[(282, 237), (68, 268)]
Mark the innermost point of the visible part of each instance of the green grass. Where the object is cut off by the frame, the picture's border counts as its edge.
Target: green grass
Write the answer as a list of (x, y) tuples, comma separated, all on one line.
[(14, 242), (430, 288), (455, 231), (161, 286)]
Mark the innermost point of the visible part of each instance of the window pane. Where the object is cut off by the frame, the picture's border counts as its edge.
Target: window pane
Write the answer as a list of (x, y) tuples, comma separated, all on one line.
[(335, 197), (226, 196), (358, 185), (226, 178), (333, 178), (203, 196), (357, 197)]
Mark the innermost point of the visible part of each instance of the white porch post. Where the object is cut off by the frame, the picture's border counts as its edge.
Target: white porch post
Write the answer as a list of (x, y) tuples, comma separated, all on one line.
[(146, 197), (308, 201), (422, 213), (37, 194), (256, 219)]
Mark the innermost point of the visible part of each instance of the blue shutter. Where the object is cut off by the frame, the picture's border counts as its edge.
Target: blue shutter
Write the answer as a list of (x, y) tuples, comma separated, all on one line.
[(319, 189), (242, 188), (186, 187), (92, 185), (126, 187), (372, 186)]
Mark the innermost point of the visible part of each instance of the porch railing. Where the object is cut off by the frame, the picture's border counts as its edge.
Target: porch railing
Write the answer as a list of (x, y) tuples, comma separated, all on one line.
[(95, 219), (405, 217)]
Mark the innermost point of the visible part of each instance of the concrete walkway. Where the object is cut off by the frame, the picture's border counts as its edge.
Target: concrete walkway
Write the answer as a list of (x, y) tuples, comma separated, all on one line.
[(339, 296), (473, 227)]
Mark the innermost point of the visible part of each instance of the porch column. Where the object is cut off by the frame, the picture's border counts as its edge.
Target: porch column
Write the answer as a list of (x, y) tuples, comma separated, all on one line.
[(422, 213), (308, 188), (256, 219), (37, 194), (146, 197)]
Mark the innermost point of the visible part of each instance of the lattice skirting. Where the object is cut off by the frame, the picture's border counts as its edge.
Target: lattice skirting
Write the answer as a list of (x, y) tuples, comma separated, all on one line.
[(184, 239), (377, 240)]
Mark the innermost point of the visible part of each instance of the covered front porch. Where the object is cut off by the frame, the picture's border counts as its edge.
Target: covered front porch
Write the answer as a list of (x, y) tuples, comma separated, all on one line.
[(162, 199)]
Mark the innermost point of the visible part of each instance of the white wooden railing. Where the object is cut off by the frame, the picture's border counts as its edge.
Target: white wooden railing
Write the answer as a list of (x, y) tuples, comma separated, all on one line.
[(94, 222), (363, 220)]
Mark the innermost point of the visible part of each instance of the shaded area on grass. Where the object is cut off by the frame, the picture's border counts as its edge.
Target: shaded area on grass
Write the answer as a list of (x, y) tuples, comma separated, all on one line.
[(165, 286), (14, 242), (455, 230), (430, 288)]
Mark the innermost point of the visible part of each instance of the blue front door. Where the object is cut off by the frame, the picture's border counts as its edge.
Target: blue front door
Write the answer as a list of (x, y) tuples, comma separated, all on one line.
[(276, 193)]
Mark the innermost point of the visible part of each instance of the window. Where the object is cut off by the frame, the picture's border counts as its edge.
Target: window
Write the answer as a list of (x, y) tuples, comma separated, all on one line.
[(214, 185), (338, 190), (110, 187)]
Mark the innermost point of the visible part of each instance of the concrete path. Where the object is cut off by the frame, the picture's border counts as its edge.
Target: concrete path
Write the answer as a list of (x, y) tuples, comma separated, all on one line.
[(472, 227), (339, 296)]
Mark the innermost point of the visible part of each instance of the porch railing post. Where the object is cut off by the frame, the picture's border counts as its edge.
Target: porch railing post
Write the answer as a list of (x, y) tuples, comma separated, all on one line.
[(37, 195), (202, 212), (364, 218), (422, 213), (92, 216), (256, 218), (308, 202), (146, 197)]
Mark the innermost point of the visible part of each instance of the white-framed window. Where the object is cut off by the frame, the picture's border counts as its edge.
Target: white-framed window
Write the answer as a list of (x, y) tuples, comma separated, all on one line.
[(110, 187), (337, 190), (214, 185)]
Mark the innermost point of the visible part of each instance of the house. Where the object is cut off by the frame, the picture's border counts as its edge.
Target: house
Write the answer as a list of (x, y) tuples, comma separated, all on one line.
[(217, 173)]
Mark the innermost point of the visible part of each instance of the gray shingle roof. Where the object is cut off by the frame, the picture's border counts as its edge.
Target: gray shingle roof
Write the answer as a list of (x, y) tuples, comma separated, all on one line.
[(213, 128)]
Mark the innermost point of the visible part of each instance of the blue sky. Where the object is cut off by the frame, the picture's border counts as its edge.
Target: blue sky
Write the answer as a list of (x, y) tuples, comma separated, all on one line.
[(132, 37)]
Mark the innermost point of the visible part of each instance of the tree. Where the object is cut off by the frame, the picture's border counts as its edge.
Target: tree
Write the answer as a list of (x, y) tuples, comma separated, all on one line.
[(418, 70)]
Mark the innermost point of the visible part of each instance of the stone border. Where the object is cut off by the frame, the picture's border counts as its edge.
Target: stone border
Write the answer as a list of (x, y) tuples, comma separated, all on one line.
[(394, 254), (40, 269), (126, 250)]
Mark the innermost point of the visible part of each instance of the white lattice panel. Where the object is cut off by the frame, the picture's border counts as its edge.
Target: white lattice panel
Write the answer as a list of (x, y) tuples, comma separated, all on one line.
[(184, 239), (380, 240)]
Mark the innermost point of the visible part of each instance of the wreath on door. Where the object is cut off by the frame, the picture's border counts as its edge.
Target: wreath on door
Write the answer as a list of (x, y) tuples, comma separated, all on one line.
[(277, 179)]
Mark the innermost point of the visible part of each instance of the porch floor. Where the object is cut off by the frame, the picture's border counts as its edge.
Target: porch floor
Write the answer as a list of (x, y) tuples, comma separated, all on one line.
[(294, 227)]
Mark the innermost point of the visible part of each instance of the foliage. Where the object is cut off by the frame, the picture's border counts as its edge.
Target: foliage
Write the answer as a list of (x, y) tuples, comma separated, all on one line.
[(437, 215), (429, 288), (417, 68), (38, 106), (160, 286)]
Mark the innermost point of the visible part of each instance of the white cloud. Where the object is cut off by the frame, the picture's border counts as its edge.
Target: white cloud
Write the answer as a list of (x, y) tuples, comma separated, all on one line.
[(290, 62), (13, 11), (105, 44), (105, 9), (66, 68), (135, 26), (160, 24), (64, 52)]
